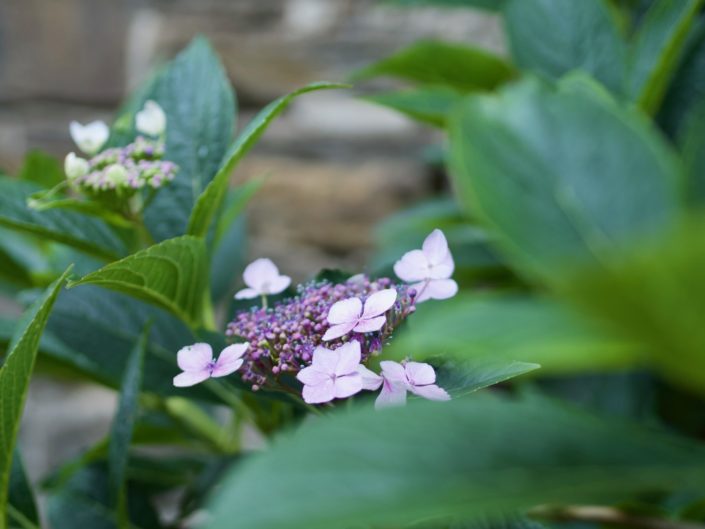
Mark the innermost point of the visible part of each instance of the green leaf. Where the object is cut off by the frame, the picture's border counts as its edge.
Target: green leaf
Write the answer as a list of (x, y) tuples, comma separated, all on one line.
[(468, 376), (693, 150), (507, 328), (14, 381), (20, 258), (656, 296), (22, 507), (172, 274), (428, 104), (469, 458), (80, 231), (199, 102), (235, 203), (456, 66), (553, 37), (210, 201), (583, 176), (657, 49), (122, 428), (42, 169)]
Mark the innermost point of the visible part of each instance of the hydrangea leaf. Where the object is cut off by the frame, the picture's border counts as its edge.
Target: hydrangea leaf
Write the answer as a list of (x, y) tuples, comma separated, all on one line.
[(428, 104), (14, 382), (211, 200), (80, 231), (172, 274), (468, 458)]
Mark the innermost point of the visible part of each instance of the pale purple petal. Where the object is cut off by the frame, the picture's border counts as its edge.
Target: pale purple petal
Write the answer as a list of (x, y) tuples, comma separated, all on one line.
[(392, 394), (247, 293), (349, 358), (442, 270), (393, 371), (438, 289), (190, 378), (319, 393), (325, 360), (230, 359), (435, 247), (347, 385), (222, 370), (278, 285), (345, 311), (379, 303), (260, 272), (413, 266), (194, 357), (371, 325), (370, 380), (420, 374), (431, 392), (336, 331), (312, 376)]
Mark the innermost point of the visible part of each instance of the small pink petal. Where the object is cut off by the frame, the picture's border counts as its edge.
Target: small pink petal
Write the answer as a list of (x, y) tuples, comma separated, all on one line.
[(259, 272), (379, 303), (348, 359), (431, 392), (311, 376), (325, 360), (370, 380), (319, 393), (420, 374), (190, 378), (345, 311), (247, 293), (438, 289), (336, 331), (194, 357), (435, 247), (230, 359), (392, 394), (442, 270), (279, 285), (371, 325), (393, 371), (347, 385), (413, 266)]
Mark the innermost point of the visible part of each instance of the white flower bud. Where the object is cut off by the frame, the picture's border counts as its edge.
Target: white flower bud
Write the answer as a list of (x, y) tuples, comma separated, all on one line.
[(91, 137), (116, 174), (75, 166), (151, 120)]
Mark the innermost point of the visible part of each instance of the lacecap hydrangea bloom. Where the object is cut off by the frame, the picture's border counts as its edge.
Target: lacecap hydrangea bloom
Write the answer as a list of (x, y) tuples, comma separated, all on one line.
[(122, 170), (324, 336)]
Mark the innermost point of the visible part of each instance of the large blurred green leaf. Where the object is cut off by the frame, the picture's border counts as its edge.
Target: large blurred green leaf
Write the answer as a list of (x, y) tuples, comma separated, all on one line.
[(438, 63), (693, 150), (657, 49), (562, 176), (20, 257), (42, 169), (22, 507), (657, 297), (122, 428), (14, 382), (553, 37), (172, 274), (211, 200), (199, 102), (428, 104), (490, 5), (69, 227), (502, 327), (465, 458)]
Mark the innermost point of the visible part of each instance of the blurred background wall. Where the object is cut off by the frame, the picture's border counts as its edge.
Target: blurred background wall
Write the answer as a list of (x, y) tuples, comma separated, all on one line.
[(336, 165)]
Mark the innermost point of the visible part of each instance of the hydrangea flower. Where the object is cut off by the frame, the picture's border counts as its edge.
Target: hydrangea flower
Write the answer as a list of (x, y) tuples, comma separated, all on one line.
[(333, 374), (416, 377), (151, 120), (429, 269), (283, 337), (350, 314), (197, 363), (262, 279), (90, 137), (75, 166)]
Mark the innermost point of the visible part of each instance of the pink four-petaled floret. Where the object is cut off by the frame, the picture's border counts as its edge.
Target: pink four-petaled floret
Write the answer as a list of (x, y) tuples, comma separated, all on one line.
[(351, 315), (197, 363), (332, 374)]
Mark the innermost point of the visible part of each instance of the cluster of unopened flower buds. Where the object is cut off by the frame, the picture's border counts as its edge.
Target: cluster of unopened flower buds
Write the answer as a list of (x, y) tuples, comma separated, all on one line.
[(326, 334), (123, 169)]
